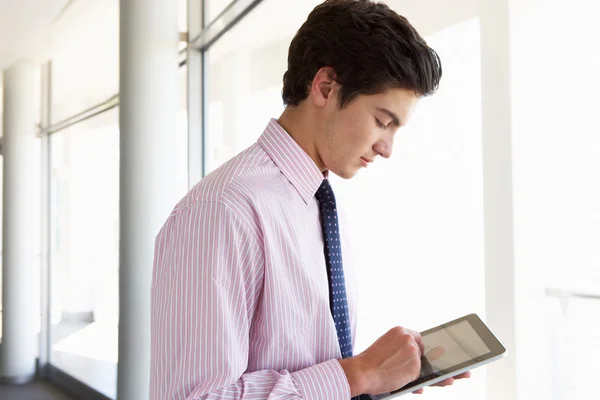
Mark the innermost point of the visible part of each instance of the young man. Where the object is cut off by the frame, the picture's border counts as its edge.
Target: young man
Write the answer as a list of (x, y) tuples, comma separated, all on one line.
[(249, 296)]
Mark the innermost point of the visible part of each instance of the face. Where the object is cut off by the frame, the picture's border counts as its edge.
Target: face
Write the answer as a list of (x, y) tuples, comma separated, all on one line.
[(363, 130)]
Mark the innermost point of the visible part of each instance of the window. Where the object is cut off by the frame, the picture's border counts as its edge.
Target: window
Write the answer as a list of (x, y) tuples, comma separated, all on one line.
[(245, 77), (85, 244), (182, 134), (85, 251), (85, 61), (212, 8)]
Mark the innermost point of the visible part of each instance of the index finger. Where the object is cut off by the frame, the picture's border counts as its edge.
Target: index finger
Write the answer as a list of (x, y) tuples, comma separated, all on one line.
[(418, 339), (436, 353)]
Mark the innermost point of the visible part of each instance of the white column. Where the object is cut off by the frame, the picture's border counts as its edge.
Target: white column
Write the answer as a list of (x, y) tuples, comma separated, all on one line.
[(497, 187), (148, 123), (44, 338), (17, 362)]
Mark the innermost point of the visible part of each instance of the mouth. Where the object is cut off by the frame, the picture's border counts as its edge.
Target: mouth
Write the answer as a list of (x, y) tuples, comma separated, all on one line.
[(365, 161)]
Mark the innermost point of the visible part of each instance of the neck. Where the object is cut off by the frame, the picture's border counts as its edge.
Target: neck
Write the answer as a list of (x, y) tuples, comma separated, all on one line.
[(300, 124)]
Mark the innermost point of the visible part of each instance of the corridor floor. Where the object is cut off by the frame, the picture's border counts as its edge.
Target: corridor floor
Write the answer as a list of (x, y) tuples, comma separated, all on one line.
[(38, 390)]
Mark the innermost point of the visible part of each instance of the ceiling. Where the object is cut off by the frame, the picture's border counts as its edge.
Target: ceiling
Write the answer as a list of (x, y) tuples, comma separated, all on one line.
[(25, 29), (25, 25), (428, 16)]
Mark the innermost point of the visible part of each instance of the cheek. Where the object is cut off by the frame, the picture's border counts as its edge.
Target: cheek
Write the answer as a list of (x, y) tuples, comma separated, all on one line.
[(351, 138), (350, 147), (363, 137)]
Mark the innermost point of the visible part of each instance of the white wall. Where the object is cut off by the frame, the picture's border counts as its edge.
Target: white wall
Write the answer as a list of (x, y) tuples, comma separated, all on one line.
[(556, 164)]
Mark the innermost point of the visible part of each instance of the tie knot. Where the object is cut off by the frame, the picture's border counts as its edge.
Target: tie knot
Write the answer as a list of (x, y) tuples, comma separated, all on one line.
[(324, 194)]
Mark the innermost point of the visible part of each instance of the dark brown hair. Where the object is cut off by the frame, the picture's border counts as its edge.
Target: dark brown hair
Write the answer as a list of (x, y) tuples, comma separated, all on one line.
[(369, 46)]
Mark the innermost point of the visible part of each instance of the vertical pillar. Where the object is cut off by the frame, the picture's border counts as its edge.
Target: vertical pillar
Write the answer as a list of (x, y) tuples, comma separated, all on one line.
[(497, 187), (45, 341), (148, 121), (17, 359)]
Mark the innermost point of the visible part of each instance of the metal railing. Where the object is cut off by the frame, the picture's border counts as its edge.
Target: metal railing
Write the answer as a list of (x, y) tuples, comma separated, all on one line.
[(578, 339), (569, 294)]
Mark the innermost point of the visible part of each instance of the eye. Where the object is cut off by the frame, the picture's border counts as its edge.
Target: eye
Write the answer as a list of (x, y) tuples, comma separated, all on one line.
[(380, 124)]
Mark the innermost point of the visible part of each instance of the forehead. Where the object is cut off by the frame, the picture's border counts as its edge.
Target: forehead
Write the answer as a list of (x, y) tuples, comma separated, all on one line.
[(394, 97), (399, 101)]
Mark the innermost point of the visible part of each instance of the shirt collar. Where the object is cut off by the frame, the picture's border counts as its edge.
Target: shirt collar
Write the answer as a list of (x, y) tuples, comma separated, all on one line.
[(292, 160)]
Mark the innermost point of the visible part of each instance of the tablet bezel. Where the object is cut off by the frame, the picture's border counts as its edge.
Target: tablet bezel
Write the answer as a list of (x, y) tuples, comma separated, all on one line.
[(496, 350)]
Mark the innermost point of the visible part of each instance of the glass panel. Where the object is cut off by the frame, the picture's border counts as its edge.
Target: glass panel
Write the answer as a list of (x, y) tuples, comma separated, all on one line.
[(212, 8), (85, 57), (246, 67), (182, 134), (85, 251)]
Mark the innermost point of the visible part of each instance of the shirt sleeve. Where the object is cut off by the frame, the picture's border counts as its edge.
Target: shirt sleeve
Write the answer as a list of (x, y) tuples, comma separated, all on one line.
[(206, 282)]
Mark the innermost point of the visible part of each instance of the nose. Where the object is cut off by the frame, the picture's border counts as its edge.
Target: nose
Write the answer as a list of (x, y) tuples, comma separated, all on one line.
[(384, 147)]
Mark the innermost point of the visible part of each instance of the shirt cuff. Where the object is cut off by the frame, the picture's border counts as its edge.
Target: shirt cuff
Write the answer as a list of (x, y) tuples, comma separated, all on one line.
[(323, 381)]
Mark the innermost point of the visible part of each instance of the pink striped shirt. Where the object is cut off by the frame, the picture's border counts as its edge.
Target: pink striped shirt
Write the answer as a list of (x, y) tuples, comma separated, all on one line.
[(240, 299)]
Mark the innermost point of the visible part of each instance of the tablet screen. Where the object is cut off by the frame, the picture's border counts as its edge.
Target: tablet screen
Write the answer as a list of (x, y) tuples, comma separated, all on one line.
[(451, 346)]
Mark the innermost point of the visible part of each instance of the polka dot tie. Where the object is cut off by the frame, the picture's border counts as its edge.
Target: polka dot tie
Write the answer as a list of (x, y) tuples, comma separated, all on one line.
[(335, 269)]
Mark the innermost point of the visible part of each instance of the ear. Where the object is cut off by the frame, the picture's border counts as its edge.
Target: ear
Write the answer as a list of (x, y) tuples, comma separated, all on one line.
[(323, 88)]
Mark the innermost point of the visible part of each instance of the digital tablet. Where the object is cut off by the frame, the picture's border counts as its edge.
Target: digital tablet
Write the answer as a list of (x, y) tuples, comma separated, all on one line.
[(451, 349)]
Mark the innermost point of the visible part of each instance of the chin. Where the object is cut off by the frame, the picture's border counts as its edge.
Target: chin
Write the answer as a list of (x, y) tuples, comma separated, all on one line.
[(345, 174)]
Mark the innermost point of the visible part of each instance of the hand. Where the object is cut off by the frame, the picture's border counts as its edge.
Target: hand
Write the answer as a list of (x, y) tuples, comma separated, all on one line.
[(391, 362), (434, 354)]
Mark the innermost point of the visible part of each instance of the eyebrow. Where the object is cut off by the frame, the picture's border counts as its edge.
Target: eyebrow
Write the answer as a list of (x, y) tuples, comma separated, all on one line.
[(393, 116)]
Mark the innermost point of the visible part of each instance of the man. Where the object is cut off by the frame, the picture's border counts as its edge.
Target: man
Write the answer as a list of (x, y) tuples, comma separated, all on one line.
[(249, 296)]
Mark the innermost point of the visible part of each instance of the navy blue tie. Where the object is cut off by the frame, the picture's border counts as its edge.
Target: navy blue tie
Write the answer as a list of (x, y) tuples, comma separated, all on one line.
[(335, 270), (338, 301)]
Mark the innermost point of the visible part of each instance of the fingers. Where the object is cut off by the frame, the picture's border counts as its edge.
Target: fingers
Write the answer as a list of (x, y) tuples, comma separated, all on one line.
[(446, 382), (418, 339), (450, 381), (435, 353), (465, 375), (420, 391)]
